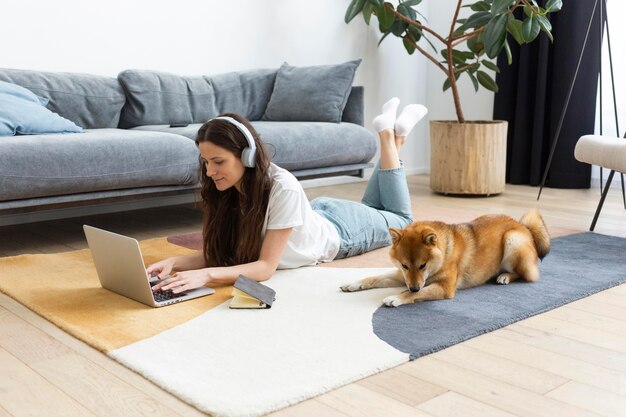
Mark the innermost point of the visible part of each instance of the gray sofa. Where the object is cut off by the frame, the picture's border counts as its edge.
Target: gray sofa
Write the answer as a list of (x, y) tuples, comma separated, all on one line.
[(130, 156)]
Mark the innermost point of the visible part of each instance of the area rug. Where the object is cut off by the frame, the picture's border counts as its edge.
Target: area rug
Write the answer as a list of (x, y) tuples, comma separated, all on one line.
[(314, 339), (578, 265)]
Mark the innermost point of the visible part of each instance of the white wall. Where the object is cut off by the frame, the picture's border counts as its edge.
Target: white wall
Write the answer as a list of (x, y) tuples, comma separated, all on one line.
[(210, 37), (476, 105)]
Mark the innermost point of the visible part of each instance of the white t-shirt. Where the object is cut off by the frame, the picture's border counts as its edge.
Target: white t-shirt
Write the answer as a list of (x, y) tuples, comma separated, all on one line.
[(313, 239)]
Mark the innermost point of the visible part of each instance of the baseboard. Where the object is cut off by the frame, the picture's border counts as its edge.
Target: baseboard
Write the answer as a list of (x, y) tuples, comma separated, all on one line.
[(616, 183), (323, 182)]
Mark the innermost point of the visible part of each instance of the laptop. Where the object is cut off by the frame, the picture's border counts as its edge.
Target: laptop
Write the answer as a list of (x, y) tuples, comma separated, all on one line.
[(120, 268)]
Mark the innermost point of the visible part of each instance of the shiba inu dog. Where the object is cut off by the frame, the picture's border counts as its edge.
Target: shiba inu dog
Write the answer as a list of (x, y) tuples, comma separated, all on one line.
[(434, 259)]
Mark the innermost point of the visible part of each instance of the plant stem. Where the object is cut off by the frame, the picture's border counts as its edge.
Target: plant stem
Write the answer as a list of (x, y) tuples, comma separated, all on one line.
[(451, 75), (460, 39), (454, 19), (416, 24), (454, 87), (426, 54)]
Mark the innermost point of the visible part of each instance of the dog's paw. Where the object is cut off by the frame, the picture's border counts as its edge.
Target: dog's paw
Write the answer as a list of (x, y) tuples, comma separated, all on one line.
[(355, 286), (393, 301), (504, 278)]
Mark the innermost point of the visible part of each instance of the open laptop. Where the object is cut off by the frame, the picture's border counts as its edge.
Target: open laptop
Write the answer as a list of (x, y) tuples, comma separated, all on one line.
[(121, 269)]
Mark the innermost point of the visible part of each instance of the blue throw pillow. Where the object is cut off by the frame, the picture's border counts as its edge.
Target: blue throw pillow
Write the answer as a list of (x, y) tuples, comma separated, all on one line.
[(316, 94), (21, 92), (23, 113)]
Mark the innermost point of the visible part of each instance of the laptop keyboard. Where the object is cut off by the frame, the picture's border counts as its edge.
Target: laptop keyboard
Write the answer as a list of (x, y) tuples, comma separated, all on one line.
[(165, 295)]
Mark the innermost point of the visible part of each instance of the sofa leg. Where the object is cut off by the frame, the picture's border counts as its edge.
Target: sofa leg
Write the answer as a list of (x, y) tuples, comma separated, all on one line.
[(604, 193)]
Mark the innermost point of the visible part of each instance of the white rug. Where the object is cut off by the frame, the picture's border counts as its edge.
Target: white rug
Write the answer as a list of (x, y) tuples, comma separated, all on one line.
[(251, 362)]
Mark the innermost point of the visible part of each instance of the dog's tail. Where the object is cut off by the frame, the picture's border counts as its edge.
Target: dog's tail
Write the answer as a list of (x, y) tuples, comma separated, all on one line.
[(534, 222)]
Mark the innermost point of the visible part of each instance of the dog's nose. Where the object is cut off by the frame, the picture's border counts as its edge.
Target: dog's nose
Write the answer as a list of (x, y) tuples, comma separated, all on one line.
[(414, 289)]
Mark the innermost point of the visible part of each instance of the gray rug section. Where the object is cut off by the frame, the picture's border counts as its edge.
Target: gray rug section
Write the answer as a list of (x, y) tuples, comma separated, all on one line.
[(577, 266)]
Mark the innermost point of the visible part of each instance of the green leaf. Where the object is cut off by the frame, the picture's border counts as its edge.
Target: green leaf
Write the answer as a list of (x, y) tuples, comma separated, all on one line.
[(459, 31), (446, 84), (553, 5), (509, 55), (399, 26), (529, 11), (514, 27), (411, 3), (458, 57), (385, 18), (423, 17), (481, 6), (491, 65), (415, 32), (354, 9), (495, 35), (530, 28), (475, 44), (377, 3), (477, 20), (368, 10), (546, 26), (474, 80), (383, 38), (408, 46), (486, 81), (431, 44), (544, 22), (501, 6), (406, 11)]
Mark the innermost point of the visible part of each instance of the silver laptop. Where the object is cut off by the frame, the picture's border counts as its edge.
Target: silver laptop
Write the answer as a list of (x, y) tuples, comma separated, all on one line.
[(121, 269)]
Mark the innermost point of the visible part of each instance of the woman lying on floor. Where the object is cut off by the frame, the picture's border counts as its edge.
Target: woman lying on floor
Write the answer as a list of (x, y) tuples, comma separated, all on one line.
[(257, 217)]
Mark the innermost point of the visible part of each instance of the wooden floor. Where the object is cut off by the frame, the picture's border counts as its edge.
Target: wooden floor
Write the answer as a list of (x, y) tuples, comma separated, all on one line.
[(570, 361)]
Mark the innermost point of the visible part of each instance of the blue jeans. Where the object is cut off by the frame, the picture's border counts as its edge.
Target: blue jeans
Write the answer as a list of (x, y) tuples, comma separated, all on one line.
[(364, 226)]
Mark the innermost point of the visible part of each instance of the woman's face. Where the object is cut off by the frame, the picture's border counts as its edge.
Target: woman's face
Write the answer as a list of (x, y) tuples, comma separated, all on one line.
[(222, 166)]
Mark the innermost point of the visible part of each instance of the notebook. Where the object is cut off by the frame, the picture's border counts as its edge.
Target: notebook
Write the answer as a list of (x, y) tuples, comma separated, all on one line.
[(251, 294), (121, 269)]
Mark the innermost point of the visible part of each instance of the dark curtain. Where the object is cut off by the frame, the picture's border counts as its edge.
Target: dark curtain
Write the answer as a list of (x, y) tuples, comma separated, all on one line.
[(533, 92)]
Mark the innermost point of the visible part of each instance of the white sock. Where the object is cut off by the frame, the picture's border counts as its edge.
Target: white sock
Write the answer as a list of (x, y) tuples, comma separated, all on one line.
[(409, 117), (388, 117)]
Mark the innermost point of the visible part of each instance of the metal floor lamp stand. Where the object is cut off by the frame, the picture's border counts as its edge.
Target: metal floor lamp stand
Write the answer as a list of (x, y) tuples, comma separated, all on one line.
[(603, 17)]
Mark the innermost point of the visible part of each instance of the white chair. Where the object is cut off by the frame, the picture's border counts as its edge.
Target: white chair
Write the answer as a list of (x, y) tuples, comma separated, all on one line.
[(605, 151)]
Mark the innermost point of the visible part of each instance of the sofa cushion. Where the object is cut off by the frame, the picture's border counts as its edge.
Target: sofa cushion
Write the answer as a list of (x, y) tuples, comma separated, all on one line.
[(163, 98), (317, 94), (95, 160), (90, 101), (303, 145), (19, 116), (314, 144), (189, 131), (245, 92)]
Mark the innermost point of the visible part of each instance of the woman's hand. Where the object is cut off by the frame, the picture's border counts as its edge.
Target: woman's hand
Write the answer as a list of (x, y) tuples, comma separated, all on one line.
[(184, 281), (162, 268)]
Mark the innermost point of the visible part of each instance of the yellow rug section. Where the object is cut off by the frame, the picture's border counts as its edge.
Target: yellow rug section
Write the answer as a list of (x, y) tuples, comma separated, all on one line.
[(64, 288)]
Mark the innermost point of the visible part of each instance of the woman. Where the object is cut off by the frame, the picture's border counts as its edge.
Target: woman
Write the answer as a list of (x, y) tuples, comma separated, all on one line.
[(257, 217)]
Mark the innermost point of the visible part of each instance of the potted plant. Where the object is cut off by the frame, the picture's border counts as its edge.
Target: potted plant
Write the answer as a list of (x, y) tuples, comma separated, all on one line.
[(467, 157)]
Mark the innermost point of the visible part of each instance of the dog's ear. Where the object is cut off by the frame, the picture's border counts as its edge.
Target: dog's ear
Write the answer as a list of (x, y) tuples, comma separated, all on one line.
[(396, 235), (430, 238)]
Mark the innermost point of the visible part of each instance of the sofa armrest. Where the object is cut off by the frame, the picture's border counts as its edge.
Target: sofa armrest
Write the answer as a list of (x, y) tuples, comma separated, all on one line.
[(354, 112)]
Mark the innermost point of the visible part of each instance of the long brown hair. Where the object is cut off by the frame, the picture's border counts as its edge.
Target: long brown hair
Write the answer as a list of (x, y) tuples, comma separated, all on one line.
[(233, 220)]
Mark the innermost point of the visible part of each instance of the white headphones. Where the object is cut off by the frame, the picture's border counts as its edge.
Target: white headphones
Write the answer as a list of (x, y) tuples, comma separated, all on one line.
[(248, 155)]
